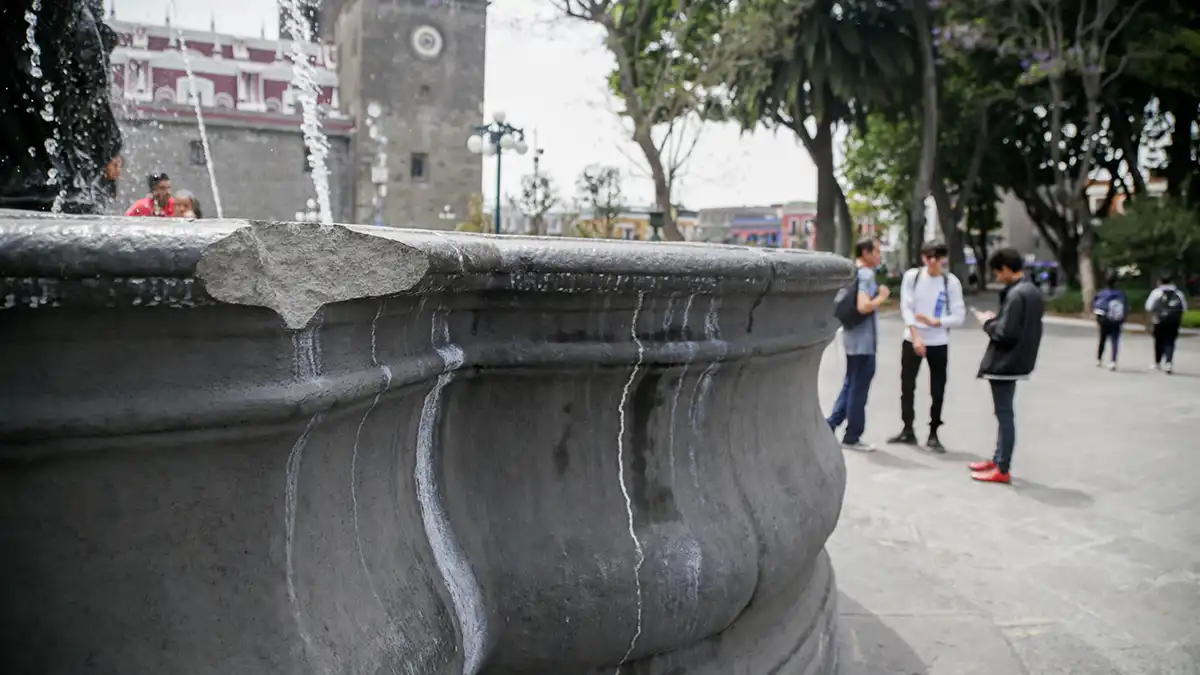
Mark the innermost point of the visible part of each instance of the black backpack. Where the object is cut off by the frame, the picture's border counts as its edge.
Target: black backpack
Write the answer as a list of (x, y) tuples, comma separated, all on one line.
[(1169, 307), (845, 306)]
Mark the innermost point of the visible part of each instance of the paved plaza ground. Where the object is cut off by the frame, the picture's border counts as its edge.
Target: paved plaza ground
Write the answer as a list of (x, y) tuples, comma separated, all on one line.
[(1089, 563)]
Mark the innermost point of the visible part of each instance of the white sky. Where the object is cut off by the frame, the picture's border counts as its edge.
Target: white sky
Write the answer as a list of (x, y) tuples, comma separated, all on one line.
[(549, 74)]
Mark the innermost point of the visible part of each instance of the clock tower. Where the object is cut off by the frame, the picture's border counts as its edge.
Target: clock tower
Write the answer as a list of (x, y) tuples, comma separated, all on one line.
[(411, 76)]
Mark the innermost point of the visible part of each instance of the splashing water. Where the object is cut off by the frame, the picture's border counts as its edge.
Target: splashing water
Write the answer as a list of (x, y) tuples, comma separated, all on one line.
[(305, 81), (637, 544), (46, 93), (187, 66)]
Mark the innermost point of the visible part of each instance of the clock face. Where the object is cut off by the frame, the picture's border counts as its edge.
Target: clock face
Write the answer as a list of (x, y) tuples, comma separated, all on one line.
[(427, 42)]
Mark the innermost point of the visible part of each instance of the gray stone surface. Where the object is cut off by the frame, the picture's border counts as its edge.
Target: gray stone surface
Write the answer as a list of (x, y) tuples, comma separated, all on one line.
[(429, 104), (541, 457), (1088, 564)]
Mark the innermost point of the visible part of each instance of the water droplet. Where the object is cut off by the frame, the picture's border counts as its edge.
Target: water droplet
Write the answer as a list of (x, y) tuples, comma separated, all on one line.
[(32, 151), (51, 146), (36, 72)]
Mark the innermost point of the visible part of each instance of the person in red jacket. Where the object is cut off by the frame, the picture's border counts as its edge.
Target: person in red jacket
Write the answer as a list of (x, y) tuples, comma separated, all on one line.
[(159, 203)]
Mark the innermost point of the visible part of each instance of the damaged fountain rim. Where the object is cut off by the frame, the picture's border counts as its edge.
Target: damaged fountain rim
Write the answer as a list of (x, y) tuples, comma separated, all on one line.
[(118, 261)]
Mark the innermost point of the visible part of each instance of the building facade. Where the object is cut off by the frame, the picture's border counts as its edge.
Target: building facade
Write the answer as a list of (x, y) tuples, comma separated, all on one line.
[(398, 95)]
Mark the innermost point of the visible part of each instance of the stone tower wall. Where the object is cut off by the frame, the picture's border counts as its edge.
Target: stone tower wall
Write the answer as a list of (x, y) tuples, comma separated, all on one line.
[(423, 63)]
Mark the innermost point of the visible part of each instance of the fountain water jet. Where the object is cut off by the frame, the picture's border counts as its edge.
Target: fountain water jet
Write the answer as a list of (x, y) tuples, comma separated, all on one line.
[(305, 81), (187, 66)]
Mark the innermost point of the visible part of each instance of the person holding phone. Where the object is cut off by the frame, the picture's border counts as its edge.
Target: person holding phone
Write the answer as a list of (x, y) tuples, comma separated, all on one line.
[(1014, 337), (931, 303)]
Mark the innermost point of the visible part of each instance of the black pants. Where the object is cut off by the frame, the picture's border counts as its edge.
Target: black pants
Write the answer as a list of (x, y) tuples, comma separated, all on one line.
[(1109, 332), (1165, 334), (910, 365)]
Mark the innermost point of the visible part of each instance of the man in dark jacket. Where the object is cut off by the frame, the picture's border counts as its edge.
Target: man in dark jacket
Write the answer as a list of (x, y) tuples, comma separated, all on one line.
[(1011, 354)]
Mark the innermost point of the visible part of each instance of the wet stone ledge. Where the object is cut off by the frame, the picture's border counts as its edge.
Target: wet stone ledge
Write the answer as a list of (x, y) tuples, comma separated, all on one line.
[(268, 448)]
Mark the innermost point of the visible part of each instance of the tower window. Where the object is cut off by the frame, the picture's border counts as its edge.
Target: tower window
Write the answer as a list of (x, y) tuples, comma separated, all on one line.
[(419, 166), (196, 152)]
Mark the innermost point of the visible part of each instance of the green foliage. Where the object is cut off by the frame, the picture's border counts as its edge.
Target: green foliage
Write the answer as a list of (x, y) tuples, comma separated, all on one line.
[(880, 163), (1156, 235), (1071, 302), (1191, 318)]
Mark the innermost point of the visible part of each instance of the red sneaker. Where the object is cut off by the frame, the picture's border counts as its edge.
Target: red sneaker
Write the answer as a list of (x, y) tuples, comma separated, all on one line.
[(982, 466), (992, 476)]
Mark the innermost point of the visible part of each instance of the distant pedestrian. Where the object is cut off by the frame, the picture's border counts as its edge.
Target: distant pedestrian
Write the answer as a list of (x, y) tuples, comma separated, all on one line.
[(159, 203), (186, 205), (931, 303), (1110, 307), (1166, 306), (1014, 338), (860, 330)]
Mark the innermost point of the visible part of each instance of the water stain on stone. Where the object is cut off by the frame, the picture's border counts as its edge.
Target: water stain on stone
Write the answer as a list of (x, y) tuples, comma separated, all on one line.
[(562, 458), (655, 501)]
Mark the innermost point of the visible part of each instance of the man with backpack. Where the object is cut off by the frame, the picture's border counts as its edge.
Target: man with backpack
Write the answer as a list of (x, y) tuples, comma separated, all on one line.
[(1110, 306), (931, 303), (855, 308), (1166, 306)]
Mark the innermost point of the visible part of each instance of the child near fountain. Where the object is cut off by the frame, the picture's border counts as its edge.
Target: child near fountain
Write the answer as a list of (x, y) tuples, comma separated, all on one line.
[(187, 205)]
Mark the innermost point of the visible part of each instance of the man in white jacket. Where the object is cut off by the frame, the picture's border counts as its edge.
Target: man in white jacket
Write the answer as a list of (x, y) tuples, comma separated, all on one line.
[(931, 303)]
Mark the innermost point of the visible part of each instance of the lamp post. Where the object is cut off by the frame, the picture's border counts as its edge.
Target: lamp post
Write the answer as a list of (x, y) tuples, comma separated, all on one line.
[(493, 139), (309, 214)]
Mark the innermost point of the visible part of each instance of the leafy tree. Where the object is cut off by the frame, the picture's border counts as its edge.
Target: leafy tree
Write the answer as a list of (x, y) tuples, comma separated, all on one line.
[(599, 190), (538, 196), (1061, 41), (661, 50), (810, 65), (477, 220), (1156, 235)]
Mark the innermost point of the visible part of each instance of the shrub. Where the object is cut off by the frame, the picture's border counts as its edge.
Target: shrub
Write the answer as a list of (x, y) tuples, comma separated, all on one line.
[(1191, 318), (1070, 302)]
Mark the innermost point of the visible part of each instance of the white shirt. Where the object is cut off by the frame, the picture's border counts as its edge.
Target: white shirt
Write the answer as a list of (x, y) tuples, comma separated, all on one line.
[(940, 297), (1158, 292)]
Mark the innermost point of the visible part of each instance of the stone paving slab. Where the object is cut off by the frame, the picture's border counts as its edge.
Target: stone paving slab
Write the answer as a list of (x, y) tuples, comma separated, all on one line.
[(1089, 563)]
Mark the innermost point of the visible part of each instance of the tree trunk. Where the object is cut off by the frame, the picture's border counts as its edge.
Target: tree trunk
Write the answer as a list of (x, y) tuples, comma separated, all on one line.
[(948, 219), (929, 101), (1179, 154), (847, 232), (822, 155), (662, 189)]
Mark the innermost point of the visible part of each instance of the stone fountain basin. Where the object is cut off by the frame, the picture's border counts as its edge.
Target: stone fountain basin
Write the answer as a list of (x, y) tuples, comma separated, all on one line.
[(232, 447)]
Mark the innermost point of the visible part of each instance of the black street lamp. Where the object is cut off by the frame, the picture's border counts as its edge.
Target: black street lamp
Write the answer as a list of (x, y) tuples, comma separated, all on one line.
[(493, 139)]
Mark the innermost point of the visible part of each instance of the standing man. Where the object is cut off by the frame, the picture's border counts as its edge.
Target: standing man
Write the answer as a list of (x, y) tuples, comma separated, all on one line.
[(931, 303), (1166, 306), (1011, 355), (860, 340), (159, 203)]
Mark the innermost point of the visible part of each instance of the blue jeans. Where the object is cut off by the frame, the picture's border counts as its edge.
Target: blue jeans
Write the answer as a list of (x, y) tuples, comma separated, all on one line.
[(851, 405), (1003, 393)]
